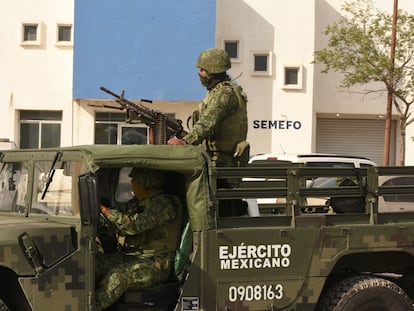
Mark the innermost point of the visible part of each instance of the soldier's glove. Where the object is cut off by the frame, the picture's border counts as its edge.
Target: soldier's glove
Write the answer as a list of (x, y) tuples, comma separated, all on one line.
[(242, 153), (241, 148)]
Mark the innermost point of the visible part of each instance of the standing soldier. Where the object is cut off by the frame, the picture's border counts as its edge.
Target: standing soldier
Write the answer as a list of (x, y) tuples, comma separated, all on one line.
[(220, 123), (151, 239)]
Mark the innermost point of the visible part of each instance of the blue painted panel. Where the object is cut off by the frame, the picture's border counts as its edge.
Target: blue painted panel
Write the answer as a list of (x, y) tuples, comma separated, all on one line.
[(147, 47)]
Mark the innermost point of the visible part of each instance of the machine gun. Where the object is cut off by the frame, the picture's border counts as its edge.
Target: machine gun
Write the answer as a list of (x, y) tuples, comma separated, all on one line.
[(163, 126)]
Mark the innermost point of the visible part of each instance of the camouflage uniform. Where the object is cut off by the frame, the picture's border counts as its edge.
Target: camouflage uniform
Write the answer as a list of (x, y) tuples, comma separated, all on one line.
[(220, 123), (146, 258)]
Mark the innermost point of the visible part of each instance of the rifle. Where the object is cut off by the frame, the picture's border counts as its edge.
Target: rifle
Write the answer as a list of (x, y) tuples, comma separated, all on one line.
[(163, 126)]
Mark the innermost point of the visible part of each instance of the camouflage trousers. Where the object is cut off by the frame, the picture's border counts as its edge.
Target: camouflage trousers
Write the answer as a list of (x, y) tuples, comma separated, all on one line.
[(118, 272)]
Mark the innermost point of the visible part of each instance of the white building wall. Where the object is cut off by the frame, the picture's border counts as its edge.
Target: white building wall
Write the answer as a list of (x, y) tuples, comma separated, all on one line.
[(293, 30), (286, 30), (41, 77), (330, 101), (35, 77)]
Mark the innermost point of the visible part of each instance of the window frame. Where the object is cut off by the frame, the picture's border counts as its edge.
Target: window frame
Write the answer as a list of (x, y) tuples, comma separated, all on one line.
[(119, 127), (39, 33), (237, 59), (299, 84), (64, 43), (40, 122), (269, 70)]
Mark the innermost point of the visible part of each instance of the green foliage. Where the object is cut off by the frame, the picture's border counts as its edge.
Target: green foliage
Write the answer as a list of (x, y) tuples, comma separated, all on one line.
[(359, 47), (360, 44)]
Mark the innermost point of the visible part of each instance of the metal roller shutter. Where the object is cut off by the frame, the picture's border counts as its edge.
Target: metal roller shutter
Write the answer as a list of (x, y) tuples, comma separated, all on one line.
[(355, 137)]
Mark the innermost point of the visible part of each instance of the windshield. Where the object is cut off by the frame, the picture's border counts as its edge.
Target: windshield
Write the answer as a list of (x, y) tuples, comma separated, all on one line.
[(13, 191), (54, 189)]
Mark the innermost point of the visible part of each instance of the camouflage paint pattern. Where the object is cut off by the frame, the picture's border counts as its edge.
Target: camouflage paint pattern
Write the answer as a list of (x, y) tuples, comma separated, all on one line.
[(151, 238), (128, 271), (222, 122), (64, 258), (214, 61), (276, 262)]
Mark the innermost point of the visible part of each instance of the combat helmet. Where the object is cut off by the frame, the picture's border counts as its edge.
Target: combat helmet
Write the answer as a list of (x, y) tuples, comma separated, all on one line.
[(214, 61), (147, 178)]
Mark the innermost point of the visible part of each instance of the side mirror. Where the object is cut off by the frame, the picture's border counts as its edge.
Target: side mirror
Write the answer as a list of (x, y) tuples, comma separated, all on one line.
[(88, 199)]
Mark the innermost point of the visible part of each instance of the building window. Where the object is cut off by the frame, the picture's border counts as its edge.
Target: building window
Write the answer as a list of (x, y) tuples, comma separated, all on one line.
[(64, 34), (292, 77), (40, 129), (111, 129), (232, 47), (31, 33), (261, 63)]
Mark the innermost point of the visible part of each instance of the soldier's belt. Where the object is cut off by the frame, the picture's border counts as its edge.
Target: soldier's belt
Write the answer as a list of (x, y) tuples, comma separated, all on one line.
[(220, 153)]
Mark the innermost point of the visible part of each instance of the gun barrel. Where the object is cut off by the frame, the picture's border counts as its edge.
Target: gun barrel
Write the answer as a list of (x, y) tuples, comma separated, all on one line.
[(110, 92), (154, 119)]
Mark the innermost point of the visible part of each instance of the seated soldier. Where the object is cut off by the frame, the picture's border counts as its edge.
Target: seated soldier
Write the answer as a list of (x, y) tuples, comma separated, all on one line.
[(151, 239)]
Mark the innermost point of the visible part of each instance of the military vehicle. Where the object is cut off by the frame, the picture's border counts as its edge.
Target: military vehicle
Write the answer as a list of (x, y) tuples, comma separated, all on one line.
[(294, 260)]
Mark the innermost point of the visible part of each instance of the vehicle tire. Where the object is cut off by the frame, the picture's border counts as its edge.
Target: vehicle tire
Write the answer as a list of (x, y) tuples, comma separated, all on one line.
[(365, 293), (3, 306)]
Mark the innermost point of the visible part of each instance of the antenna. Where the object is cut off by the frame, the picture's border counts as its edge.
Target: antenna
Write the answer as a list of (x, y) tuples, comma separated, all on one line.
[(241, 73)]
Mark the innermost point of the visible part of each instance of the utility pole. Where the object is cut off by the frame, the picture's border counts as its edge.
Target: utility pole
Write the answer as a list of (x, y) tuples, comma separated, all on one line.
[(390, 87)]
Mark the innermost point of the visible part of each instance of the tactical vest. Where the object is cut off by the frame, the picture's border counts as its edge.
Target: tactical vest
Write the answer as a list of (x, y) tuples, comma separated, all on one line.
[(233, 129), (163, 240)]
